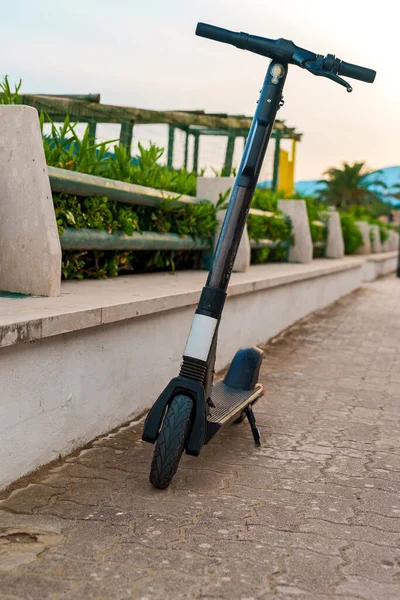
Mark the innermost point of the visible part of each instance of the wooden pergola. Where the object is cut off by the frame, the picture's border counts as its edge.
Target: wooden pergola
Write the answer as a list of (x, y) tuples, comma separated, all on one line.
[(88, 109)]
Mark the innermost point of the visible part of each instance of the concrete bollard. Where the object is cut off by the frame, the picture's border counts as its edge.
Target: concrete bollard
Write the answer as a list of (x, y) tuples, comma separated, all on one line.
[(394, 244), (334, 242), (391, 241), (210, 188), (386, 245), (376, 239), (302, 251), (366, 248), (30, 251)]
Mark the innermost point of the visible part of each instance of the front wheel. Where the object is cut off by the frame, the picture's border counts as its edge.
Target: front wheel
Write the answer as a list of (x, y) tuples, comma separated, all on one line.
[(171, 442)]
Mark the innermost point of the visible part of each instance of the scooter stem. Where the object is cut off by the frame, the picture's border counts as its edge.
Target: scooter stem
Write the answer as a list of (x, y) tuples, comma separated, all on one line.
[(246, 180)]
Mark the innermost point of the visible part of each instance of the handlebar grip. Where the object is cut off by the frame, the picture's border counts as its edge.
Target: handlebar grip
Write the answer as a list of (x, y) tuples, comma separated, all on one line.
[(242, 40), (356, 72), (217, 33)]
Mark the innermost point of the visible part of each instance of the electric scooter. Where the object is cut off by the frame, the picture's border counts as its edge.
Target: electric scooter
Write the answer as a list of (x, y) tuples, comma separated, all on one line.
[(191, 409)]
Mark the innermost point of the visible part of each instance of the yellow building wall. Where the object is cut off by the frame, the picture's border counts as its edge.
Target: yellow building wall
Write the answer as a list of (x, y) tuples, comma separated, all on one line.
[(286, 170)]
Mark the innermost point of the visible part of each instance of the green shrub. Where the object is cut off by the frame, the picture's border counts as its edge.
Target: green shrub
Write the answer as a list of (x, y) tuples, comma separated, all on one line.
[(351, 234), (64, 149), (263, 255), (196, 220), (266, 199), (370, 214), (95, 264), (10, 96), (383, 231), (275, 228), (147, 171)]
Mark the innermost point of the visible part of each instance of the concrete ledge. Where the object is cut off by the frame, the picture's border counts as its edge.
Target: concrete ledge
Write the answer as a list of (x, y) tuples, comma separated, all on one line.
[(75, 367), (87, 303), (379, 265), (381, 257)]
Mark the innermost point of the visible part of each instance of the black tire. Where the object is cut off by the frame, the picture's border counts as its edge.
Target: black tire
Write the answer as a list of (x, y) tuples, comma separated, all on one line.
[(171, 442)]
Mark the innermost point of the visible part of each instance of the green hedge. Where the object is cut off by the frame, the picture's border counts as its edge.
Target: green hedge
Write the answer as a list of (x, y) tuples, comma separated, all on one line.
[(275, 228), (64, 149), (351, 234), (368, 214), (318, 224), (196, 220)]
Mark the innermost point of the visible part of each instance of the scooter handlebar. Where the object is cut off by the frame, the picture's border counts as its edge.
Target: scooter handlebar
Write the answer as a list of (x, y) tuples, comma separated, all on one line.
[(287, 51)]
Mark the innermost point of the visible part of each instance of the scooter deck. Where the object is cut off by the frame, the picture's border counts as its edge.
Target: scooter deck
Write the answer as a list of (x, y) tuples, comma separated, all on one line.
[(230, 402)]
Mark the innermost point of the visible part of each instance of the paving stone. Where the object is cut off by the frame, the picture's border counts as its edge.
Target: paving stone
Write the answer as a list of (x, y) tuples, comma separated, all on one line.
[(310, 572), (365, 589), (380, 564)]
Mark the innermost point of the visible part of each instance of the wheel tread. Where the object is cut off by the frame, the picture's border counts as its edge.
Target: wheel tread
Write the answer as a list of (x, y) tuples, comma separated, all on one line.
[(171, 442)]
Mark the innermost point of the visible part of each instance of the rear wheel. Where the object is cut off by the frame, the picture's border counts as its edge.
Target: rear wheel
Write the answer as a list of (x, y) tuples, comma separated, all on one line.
[(171, 442)]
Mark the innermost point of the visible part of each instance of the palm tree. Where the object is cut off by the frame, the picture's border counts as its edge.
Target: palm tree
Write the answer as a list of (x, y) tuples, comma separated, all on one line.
[(351, 186)]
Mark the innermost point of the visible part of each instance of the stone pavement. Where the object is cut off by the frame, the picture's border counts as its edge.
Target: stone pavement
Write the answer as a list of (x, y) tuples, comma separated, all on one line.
[(314, 513)]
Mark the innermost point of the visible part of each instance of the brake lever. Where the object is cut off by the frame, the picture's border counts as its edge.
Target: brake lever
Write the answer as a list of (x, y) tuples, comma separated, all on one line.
[(316, 67)]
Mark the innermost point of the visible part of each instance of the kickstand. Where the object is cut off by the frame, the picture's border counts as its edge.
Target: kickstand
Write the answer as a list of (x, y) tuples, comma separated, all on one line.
[(253, 426)]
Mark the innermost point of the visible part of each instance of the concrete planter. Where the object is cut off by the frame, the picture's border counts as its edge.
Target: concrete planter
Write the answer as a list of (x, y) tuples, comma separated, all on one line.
[(30, 252)]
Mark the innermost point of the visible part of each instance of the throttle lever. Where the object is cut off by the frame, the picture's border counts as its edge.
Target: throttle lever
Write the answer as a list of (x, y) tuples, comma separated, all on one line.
[(316, 67)]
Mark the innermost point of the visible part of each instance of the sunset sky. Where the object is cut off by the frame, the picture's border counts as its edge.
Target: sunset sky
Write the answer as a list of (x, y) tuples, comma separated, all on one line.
[(145, 54)]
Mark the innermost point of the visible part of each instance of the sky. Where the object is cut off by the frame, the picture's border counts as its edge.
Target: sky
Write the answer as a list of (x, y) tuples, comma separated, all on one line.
[(145, 54)]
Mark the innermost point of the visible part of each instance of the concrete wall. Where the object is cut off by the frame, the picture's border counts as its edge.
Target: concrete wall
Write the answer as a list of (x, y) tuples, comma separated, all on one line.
[(379, 265), (60, 392), (368, 272)]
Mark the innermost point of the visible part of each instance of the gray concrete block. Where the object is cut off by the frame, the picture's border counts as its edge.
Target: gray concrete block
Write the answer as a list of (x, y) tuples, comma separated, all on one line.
[(210, 188), (30, 252), (302, 250), (394, 240), (376, 239), (366, 248), (334, 242)]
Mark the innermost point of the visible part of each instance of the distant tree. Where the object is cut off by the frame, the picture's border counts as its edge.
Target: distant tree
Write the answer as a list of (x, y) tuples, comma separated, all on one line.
[(350, 186)]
